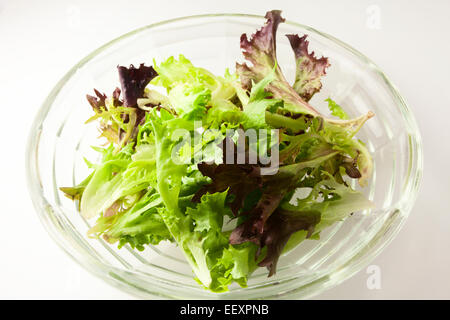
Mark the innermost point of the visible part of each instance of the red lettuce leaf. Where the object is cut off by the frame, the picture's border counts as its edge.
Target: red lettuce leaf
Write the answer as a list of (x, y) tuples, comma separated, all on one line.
[(133, 82), (98, 101), (260, 52), (279, 228), (274, 189), (240, 179), (309, 68)]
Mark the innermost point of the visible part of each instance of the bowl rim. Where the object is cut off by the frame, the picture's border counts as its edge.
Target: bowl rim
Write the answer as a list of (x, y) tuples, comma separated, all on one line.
[(111, 274)]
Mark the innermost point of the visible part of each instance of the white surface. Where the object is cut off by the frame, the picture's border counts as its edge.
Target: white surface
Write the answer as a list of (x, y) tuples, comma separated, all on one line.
[(41, 40)]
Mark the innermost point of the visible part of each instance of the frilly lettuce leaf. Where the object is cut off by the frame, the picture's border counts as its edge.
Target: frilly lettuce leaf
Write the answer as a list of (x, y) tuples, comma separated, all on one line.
[(260, 52), (137, 226), (190, 101), (190, 89), (327, 203), (309, 69), (254, 113), (133, 82), (336, 110), (342, 139), (118, 176), (273, 190)]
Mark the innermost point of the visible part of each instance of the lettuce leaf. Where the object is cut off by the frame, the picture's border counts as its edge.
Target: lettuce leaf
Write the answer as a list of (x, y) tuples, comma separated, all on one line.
[(190, 89), (137, 226), (260, 51), (274, 189), (118, 176), (254, 113), (328, 202), (309, 69), (336, 110), (133, 82)]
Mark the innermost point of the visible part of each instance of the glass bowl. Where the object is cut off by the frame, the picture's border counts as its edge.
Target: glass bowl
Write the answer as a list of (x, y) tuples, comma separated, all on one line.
[(59, 140)]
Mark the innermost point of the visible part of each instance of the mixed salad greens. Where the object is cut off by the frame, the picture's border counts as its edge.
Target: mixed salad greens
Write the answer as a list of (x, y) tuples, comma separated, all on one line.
[(171, 172)]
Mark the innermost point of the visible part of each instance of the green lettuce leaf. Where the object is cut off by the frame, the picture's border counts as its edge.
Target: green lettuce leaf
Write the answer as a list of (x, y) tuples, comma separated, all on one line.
[(137, 226), (333, 200), (118, 176), (255, 110), (191, 89), (336, 110)]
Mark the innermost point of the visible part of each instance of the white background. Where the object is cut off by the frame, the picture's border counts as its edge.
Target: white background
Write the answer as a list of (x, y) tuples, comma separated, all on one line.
[(41, 40)]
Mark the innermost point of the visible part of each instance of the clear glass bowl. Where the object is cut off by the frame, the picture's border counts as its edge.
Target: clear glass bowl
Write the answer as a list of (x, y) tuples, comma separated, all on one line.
[(59, 140)]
